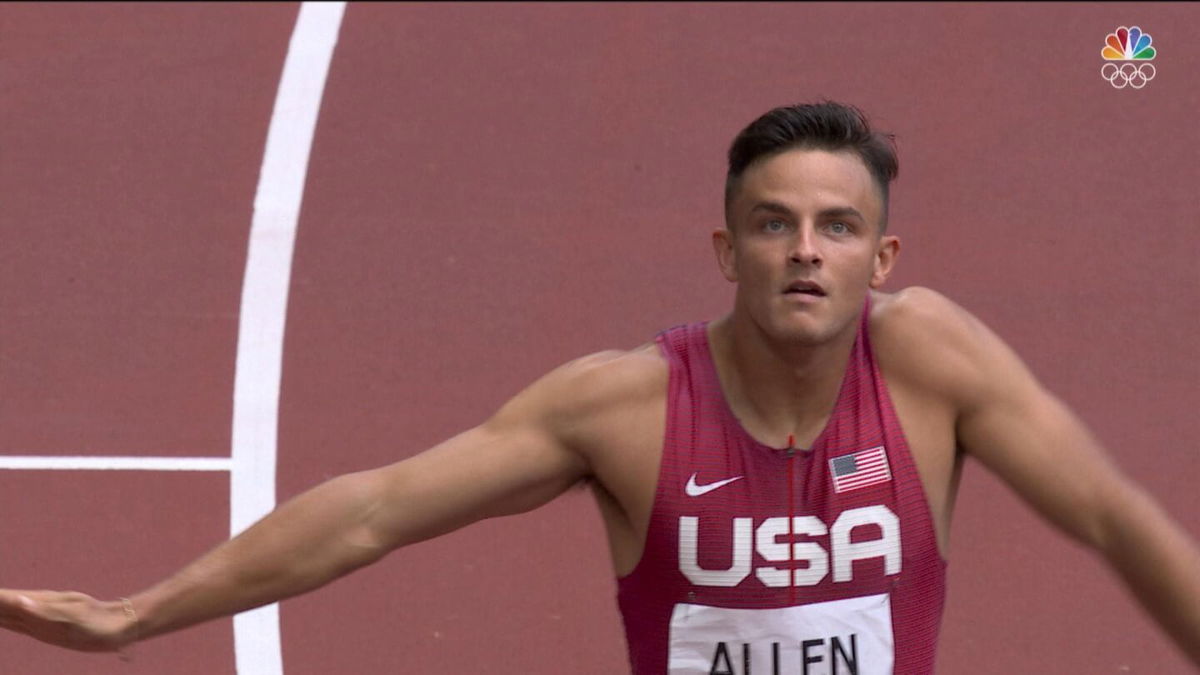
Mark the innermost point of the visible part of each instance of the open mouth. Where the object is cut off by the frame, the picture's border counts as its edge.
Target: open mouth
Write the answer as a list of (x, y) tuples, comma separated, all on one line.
[(809, 288)]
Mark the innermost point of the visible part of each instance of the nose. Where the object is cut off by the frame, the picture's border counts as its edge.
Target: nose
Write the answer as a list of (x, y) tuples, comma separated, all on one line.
[(805, 248)]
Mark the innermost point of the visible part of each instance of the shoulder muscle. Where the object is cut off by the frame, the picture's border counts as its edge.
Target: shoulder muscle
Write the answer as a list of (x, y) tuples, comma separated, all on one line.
[(933, 344), (575, 402)]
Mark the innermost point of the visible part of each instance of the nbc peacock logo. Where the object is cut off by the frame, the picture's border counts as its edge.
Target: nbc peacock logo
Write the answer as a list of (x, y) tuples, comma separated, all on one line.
[(1130, 48)]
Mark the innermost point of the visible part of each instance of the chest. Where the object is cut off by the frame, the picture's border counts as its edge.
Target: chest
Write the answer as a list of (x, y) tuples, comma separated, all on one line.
[(630, 469)]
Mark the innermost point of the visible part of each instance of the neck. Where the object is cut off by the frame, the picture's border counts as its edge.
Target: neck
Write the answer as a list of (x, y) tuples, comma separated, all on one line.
[(779, 389)]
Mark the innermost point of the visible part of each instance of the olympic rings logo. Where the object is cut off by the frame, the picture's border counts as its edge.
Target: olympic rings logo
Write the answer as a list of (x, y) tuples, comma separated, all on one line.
[(1128, 74)]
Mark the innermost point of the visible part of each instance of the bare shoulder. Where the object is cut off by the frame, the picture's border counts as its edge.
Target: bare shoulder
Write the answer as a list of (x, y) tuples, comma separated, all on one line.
[(931, 342), (610, 377), (621, 371), (918, 311), (578, 398)]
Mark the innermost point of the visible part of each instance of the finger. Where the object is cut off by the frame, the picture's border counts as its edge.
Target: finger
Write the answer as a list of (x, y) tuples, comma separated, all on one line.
[(15, 603), (7, 599), (16, 615)]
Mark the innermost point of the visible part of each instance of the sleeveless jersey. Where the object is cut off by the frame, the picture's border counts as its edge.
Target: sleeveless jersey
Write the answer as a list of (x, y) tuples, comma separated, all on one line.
[(761, 561)]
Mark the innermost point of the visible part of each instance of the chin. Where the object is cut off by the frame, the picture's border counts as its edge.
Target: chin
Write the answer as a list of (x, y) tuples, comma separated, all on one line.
[(809, 326), (799, 330), (809, 337), (809, 330)]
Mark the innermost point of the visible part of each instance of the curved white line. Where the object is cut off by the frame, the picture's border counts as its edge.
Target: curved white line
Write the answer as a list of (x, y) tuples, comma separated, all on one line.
[(257, 646)]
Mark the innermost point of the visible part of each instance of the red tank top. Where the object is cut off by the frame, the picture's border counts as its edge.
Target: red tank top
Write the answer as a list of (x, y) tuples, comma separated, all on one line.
[(855, 586)]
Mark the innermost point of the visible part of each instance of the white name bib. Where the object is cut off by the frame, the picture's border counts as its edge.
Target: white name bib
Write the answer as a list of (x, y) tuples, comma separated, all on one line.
[(841, 637)]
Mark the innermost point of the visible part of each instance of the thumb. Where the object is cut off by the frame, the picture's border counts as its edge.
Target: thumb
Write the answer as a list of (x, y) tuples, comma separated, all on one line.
[(27, 603)]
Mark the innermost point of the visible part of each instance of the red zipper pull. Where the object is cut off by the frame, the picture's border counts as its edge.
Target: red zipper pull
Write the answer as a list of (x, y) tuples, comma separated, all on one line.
[(791, 511)]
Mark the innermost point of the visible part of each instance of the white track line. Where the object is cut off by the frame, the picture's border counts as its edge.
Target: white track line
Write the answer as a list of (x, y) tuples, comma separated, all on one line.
[(264, 305), (43, 462)]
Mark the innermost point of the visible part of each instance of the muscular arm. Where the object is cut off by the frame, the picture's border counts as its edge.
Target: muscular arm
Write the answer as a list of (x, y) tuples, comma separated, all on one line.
[(508, 465), (521, 458), (1033, 442)]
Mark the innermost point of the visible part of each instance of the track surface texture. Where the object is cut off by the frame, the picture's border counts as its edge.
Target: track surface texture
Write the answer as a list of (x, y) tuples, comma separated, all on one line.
[(495, 189)]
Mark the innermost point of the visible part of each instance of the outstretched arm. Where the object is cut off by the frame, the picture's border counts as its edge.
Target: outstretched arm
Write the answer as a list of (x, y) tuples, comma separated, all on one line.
[(1033, 442), (512, 463)]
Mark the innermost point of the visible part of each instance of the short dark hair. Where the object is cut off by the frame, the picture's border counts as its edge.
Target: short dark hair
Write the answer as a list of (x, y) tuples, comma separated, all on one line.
[(827, 125)]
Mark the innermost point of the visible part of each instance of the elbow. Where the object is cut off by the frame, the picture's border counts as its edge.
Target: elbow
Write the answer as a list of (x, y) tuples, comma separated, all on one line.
[(1123, 510), (360, 539)]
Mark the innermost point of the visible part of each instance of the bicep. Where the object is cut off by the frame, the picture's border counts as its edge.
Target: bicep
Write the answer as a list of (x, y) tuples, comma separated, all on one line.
[(1031, 440), (510, 464)]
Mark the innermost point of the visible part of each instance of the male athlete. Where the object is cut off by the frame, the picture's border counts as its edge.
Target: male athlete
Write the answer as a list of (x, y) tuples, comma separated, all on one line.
[(776, 485)]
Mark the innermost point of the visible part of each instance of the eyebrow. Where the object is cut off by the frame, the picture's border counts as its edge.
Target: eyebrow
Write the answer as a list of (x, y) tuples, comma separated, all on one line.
[(834, 212)]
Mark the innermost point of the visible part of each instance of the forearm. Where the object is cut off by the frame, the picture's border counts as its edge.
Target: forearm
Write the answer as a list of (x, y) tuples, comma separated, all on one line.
[(1161, 565), (305, 543), (508, 465)]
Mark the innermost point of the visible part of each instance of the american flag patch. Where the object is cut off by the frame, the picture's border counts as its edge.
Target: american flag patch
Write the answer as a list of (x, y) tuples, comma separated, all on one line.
[(860, 469)]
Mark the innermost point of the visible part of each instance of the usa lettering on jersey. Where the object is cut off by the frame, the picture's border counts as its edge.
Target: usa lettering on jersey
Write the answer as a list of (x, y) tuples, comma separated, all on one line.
[(764, 539)]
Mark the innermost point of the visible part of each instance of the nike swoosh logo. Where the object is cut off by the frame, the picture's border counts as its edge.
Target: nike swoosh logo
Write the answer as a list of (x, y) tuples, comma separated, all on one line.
[(694, 490)]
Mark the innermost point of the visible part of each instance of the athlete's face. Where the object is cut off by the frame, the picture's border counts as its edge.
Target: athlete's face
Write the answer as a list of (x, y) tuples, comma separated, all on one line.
[(804, 244)]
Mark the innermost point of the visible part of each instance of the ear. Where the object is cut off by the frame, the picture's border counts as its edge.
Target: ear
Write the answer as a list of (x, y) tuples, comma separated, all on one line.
[(722, 241), (885, 258)]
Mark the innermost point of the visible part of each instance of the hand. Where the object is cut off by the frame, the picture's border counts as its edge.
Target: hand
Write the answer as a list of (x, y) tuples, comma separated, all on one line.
[(71, 620)]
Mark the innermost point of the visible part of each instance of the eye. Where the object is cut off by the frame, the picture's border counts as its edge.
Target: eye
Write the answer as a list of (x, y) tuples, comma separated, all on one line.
[(775, 226), (838, 227)]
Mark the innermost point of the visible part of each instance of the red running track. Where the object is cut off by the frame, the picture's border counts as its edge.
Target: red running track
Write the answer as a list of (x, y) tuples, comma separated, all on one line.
[(495, 189)]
